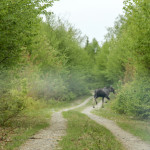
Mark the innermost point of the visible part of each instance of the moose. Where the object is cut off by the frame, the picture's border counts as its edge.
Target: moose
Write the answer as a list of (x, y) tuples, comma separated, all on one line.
[(104, 93)]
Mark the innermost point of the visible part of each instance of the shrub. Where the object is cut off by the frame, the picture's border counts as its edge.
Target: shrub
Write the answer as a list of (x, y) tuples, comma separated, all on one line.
[(134, 98), (11, 105)]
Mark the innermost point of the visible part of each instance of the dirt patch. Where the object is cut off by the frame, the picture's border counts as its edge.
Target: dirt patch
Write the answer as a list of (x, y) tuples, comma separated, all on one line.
[(128, 140)]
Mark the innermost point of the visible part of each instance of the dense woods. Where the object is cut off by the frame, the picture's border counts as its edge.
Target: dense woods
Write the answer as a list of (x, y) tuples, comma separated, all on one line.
[(42, 61)]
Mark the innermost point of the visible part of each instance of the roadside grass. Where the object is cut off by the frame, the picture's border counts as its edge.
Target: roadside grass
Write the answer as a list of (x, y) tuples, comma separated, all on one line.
[(30, 121), (18, 130), (85, 134), (139, 128)]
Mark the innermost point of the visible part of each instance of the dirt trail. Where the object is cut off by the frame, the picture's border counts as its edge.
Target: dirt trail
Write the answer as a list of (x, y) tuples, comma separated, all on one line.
[(47, 139), (128, 140)]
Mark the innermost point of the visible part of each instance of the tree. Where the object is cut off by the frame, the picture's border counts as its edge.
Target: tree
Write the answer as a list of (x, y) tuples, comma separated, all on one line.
[(18, 23)]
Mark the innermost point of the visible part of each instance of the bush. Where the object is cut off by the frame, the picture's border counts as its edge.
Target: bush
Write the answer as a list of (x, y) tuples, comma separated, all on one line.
[(11, 105), (134, 98)]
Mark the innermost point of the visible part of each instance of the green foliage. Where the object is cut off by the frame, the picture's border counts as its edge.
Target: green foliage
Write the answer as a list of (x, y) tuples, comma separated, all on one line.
[(18, 24), (5, 78), (59, 57), (47, 60), (101, 61), (124, 57), (40, 62), (11, 106), (77, 84), (134, 99), (137, 13), (92, 48)]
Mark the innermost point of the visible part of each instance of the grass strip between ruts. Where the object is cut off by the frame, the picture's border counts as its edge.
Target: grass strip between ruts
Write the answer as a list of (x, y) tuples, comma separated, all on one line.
[(85, 134)]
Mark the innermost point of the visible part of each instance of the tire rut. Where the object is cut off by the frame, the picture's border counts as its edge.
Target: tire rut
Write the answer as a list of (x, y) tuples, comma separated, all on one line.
[(129, 141), (47, 139)]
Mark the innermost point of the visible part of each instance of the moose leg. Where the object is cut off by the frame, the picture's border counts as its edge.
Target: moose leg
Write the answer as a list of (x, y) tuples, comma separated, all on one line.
[(102, 102), (107, 97), (94, 101)]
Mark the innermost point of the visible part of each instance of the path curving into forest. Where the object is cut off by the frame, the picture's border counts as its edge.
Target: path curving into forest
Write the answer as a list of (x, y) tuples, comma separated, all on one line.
[(129, 141), (47, 139)]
